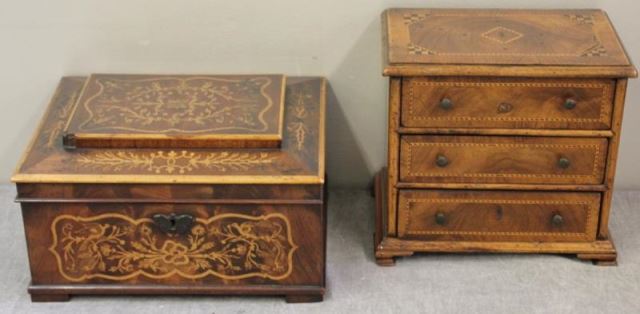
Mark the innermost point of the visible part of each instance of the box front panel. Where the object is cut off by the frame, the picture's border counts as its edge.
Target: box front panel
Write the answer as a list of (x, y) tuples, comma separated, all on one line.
[(171, 244)]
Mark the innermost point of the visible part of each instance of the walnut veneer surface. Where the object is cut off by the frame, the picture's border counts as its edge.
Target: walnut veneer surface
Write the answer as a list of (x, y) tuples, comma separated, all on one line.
[(504, 127)]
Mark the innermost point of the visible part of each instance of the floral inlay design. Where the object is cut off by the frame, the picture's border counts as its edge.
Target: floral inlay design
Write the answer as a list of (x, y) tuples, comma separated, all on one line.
[(174, 104), (171, 162), (296, 107), (228, 246)]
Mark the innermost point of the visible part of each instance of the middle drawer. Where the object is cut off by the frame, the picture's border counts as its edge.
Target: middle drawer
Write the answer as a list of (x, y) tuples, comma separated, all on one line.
[(502, 159)]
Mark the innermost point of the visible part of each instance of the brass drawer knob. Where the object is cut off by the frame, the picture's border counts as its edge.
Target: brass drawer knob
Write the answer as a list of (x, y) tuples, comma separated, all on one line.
[(564, 162), (557, 220), (179, 224), (441, 219), (570, 103), (442, 161), (446, 103), (504, 107)]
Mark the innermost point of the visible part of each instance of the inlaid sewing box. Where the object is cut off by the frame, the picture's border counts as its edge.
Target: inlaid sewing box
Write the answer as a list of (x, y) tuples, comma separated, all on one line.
[(160, 184), (504, 127)]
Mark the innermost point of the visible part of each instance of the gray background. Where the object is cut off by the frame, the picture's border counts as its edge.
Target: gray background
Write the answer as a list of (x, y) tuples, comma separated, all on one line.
[(340, 39)]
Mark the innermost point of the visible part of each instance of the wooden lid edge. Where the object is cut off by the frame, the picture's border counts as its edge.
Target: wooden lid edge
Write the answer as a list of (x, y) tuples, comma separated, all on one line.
[(47, 111), (626, 71), (161, 179), (73, 138)]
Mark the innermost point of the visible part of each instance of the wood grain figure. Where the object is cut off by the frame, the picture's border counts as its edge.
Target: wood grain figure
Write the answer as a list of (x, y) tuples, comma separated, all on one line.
[(144, 217), (504, 128)]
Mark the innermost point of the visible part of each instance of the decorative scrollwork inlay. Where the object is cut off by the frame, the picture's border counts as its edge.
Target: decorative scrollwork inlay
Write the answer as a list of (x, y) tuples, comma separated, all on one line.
[(228, 246), (175, 162), (175, 104), (297, 109)]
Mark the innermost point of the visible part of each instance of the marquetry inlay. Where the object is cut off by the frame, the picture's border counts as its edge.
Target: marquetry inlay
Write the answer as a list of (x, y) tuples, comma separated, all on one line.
[(117, 247)]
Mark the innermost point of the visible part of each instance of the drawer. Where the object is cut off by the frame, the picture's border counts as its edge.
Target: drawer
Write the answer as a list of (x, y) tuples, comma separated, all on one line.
[(175, 244), (502, 159), (450, 215), (507, 103)]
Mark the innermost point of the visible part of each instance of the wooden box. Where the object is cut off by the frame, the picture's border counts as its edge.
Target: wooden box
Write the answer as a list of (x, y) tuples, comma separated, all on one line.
[(177, 185), (504, 127)]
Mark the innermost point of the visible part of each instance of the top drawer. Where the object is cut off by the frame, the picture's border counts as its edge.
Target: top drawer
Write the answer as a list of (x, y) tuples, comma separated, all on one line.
[(507, 103)]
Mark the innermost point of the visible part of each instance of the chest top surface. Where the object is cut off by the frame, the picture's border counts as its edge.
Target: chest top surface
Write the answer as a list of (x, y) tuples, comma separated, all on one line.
[(298, 160), (464, 37), (178, 107)]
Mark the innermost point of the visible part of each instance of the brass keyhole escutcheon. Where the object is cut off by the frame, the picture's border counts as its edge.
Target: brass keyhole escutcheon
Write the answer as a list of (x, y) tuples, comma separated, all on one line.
[(172, 223)]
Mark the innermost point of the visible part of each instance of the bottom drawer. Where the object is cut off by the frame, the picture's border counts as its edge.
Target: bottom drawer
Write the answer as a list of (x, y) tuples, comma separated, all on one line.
[(452, 215), (175, 244)]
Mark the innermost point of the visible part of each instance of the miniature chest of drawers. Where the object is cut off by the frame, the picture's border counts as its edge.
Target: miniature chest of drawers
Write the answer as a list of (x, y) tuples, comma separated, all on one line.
[(177, 185), (504, 127)]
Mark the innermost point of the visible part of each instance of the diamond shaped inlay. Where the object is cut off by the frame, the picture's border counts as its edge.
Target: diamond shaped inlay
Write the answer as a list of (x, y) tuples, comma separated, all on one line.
[(502, 35)]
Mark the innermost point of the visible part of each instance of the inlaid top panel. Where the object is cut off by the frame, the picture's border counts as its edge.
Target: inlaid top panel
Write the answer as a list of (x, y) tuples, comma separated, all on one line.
[(501, 37), (299, 160), (180, 111)]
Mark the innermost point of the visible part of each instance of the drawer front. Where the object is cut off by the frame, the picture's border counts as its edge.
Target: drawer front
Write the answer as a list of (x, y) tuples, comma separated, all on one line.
[(450, 215), (143, 244), (507, 103), (502, 159)]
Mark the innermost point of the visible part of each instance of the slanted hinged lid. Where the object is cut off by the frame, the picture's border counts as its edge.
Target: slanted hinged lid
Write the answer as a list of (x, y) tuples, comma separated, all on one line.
[(178, 111), (502, 43)]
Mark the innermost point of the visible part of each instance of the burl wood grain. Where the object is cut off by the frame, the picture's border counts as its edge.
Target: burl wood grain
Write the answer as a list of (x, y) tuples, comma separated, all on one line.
[(200, 193), (477, 159), (498, 215), (486, 102)]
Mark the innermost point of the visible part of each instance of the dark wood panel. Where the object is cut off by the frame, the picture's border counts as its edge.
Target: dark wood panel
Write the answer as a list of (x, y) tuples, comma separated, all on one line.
[(226, 244), (167, 192), (56, 293)]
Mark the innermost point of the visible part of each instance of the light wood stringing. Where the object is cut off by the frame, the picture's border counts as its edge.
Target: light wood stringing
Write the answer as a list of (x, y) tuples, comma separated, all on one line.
[(486, 102), (534, 85), (497, 215), (473, 159)]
